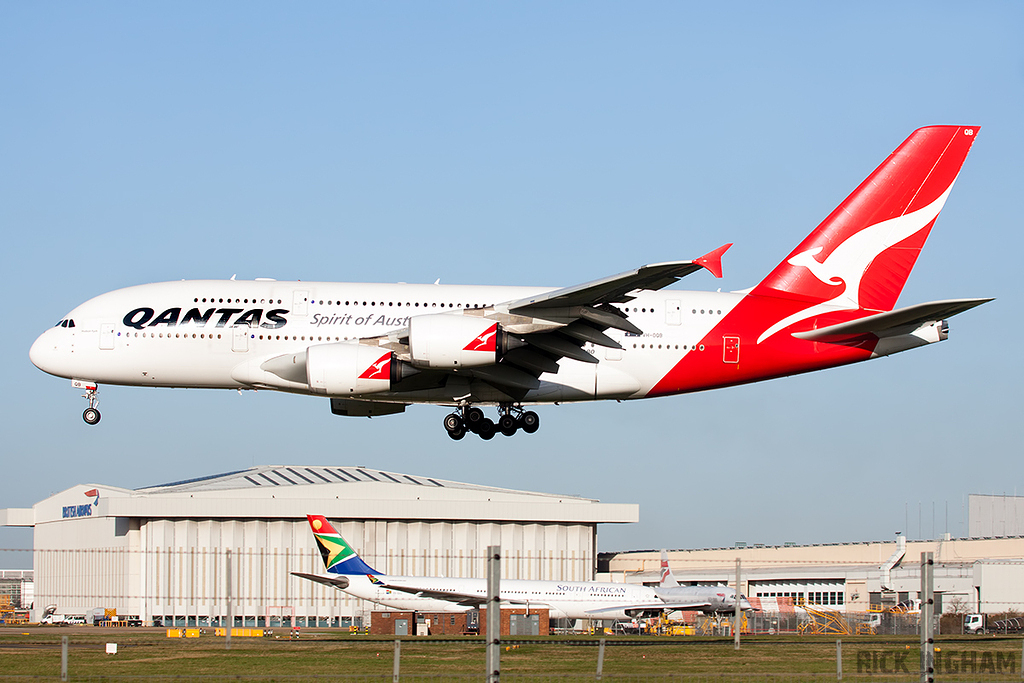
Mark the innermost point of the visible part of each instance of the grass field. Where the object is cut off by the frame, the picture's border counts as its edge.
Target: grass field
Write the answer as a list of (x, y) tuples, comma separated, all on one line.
[(144, 652)]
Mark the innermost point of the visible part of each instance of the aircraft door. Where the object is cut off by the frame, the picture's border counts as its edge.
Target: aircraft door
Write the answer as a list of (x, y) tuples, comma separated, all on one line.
[(240, 339), (730, 349), (107, 336), (673, 312), (300, 302)]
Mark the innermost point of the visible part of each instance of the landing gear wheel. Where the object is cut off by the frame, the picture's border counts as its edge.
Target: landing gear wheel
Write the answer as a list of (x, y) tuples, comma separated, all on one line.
[(486, 429), (529, 421), (508, 425), (474, 419), (91, 416), (457, 434), (453, 423)]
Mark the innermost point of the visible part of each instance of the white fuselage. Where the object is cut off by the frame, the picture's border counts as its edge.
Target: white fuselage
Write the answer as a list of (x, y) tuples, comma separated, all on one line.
[(217, 334), (563, 599)]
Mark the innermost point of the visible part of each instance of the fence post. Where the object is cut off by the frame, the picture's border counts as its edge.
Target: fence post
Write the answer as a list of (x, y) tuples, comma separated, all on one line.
[(396, 670), (839, 660), (600, 659), (230, 610), (927, 620), (493, 613), (64, 658), (739, 612)]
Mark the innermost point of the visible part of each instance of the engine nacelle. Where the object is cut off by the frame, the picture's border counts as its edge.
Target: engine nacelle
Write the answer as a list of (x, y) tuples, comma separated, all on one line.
[(348, 369), (455, 341)]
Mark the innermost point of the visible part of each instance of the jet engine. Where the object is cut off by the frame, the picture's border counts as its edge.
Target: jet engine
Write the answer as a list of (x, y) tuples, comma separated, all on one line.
[(457, 341), (352, 369)]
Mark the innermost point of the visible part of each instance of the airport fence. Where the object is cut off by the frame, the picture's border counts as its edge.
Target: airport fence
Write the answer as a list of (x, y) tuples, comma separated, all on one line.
[(528, 678)]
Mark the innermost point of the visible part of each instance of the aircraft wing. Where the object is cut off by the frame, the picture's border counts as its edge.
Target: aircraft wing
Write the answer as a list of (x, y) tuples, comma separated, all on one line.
[(652, 607), (465, 599), (891, 322), (339, 582), (557, 324), (616, 288), (543, 329)]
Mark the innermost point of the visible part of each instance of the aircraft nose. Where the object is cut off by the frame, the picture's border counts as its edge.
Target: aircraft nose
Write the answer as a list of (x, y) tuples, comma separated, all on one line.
[(45, 352)]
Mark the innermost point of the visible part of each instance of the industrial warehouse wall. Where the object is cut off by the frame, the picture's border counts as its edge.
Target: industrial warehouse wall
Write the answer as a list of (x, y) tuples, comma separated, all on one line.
[(176, 570)]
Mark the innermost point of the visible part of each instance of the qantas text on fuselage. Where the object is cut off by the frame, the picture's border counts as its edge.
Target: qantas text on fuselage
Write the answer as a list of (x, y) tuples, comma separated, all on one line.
[(374, 349)]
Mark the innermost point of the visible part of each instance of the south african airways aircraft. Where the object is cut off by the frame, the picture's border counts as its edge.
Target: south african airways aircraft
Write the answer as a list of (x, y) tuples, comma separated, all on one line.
[(374, 349), (347, 572)]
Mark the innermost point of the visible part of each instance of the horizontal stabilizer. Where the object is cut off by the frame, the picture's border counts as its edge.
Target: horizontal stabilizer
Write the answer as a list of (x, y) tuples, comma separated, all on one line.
[(339, 582), (894, 322)]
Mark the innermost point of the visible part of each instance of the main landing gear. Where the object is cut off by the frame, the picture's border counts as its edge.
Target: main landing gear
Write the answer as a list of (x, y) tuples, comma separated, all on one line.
[(91, 415), (471, 419)]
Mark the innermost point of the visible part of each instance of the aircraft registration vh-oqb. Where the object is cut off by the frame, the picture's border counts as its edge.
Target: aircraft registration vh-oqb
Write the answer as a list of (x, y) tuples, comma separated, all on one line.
[(374, 349)]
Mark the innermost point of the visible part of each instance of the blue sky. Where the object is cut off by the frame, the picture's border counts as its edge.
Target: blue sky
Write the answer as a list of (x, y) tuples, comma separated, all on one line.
[(517, 143)]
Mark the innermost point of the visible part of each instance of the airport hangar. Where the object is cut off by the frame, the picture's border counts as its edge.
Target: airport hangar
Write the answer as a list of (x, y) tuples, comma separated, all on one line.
[(160, 553), (982, 573)]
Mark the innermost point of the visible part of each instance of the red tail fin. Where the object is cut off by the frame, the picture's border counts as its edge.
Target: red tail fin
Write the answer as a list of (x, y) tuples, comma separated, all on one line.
[(861, 255)]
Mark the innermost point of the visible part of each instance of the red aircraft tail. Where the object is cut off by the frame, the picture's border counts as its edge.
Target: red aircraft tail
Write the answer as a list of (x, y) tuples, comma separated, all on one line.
[(861, 255)]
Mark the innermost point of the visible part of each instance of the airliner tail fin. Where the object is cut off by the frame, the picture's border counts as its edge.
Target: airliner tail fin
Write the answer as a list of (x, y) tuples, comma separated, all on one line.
[(861, 255), (339, 557), (667, 579)]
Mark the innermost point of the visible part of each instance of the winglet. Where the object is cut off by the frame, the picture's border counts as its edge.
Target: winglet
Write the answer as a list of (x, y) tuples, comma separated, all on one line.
[(713, 260)]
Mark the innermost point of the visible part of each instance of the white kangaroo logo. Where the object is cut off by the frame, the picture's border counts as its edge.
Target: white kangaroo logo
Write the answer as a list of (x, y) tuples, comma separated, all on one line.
[(378, 366), (850, 260), (481, 341)]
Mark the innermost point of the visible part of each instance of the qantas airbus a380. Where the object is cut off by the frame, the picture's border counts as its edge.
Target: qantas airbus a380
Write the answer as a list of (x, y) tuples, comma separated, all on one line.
[(373, 349)]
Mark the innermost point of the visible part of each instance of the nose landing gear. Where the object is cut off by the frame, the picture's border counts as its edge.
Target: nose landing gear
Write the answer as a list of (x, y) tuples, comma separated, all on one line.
[(91, 415), (471, 419)]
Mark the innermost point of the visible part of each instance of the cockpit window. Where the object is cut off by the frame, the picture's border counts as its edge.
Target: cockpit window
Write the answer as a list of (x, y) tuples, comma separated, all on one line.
[(67, 322), (71, 323)]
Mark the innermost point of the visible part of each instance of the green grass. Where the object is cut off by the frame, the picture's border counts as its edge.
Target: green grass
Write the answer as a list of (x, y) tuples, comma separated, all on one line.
[(148, 652)]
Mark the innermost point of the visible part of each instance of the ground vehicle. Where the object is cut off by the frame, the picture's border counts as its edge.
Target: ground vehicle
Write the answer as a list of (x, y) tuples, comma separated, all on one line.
[(974, 623), (63, 619)]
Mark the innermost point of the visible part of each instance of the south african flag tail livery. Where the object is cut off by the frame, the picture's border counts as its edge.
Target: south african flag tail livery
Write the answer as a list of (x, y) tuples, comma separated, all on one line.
[(339, 557)]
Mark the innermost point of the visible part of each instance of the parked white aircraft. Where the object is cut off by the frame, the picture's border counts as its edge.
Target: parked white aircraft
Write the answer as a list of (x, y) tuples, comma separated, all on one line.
[(717, 599), (376, 348), (564, 599)]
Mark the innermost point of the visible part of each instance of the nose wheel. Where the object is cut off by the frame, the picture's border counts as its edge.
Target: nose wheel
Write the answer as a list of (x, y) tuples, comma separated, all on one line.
[(91, 415), (471, 419)]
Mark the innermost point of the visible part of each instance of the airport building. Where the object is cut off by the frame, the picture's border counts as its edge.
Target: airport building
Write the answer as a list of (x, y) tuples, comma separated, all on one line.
[(176, 554), (982, 573)]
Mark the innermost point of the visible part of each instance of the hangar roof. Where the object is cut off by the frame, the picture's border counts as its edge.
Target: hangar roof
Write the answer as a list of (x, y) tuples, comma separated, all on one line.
[(340, 492), (302, 475)]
